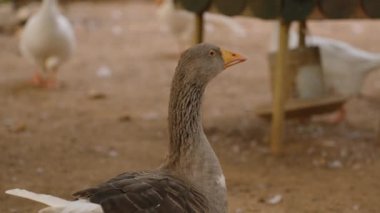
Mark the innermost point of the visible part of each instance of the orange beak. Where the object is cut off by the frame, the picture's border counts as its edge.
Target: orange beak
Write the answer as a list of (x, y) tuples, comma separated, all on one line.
[(231, 58)]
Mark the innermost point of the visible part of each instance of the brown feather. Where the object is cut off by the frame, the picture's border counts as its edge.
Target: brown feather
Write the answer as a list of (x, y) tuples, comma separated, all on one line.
[(146, 192)]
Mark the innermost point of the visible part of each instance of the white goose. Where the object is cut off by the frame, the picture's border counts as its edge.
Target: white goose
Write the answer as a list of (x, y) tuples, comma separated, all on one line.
[(344, 66), (47, 41)]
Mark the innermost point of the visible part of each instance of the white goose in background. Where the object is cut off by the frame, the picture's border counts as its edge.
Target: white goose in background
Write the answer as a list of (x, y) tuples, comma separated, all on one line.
[(181, 23), (344, 66), (48, 40)]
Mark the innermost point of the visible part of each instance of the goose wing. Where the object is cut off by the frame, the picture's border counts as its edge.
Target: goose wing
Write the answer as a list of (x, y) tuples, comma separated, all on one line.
[(146, 192)]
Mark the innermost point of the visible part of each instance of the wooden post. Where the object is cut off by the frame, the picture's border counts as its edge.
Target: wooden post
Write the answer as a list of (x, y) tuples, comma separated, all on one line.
[(377, 128), (302, 31), (199, 27), (277, 131)]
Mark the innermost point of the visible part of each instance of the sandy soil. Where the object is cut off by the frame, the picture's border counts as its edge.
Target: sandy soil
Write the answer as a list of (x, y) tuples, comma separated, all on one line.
[(110, 116)]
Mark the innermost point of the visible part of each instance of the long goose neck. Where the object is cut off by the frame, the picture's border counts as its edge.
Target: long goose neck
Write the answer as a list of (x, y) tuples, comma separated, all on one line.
[(185, 126), (190, 154)]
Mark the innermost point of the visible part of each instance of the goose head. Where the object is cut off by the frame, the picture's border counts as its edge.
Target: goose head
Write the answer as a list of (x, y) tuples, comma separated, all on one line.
[(203, 62)]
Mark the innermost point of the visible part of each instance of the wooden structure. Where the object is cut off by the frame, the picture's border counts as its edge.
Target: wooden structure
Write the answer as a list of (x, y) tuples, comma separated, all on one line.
[(286, 11), (289, 10)]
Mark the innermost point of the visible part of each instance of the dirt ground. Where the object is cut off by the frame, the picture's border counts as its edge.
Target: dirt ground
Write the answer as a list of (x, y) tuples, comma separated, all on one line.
[(110, 116)]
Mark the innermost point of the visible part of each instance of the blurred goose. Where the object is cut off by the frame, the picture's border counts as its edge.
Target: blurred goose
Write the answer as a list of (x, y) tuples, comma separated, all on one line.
[(181, 23), (48, 41), (344, 66), (191, 179)]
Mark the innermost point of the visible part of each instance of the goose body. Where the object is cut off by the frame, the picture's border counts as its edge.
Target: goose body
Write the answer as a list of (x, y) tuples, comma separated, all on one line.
[(344, 66), (48, 38), (191, 179)]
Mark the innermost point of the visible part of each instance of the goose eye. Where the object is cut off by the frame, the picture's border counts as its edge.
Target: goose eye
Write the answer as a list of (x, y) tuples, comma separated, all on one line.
[(212, 53)]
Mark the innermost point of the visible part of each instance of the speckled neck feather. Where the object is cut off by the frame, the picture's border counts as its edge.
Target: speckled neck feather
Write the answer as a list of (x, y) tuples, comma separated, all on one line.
[(185, 124), (184, 117)]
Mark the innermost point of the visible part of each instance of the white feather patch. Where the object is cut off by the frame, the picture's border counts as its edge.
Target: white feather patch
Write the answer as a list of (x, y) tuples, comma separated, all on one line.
[(41, 198), (78, 206), (221, 180), (56, 204)]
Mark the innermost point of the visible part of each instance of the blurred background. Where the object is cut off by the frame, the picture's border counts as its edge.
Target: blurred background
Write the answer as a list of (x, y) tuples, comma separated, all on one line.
[(109, 113)]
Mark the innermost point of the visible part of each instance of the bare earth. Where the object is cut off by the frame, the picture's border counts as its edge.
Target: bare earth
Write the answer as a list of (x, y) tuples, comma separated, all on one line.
[(110, 116)]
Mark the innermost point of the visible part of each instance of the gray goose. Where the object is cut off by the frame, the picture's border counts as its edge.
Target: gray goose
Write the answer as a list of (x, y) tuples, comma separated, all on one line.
[(191, 179)]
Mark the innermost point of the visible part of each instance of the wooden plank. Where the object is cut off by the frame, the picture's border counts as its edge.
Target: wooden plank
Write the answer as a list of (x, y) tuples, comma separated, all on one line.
[(229, 7), (265, 9), (298, 108), (338, 9), (293, 9), (371, 8), (196, 6)]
